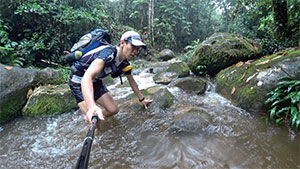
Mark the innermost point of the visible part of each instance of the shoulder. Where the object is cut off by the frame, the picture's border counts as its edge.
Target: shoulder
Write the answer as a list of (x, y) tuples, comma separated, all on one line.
[(107, 54)]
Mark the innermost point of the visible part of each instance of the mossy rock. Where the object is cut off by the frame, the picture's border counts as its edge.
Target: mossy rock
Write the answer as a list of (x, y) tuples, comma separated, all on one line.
[(174, 70), (49, 76), (145, 93), (15, 84), (247, 84), (50, 100), (11, 104), (162, 99), (220, 51), (192, 85)]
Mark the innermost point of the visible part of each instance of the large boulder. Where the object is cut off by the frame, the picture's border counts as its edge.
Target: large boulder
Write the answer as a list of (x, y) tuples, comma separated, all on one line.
[(193, 120), (192, 85), (174, 70), (161, 97), (166, 54), (50, 100), (16, 83), (247, 84), (220, 51)]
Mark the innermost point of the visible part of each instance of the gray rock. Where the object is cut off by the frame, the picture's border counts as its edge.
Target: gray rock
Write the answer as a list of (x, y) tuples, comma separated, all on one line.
[(16, 82), (50, 100), (162, 99), (174, 70), (220, 51), (194, 120), (165, 54), (192, 85)]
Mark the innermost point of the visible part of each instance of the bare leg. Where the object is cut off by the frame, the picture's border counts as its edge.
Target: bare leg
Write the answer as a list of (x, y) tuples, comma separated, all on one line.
[(106, 101), (109, 104)]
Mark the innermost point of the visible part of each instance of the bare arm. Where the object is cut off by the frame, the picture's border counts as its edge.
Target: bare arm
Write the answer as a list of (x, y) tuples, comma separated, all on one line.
[(88, 90), (136, 90)]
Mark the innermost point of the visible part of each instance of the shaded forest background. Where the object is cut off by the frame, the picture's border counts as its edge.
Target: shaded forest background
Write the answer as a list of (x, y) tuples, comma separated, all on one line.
[(36, 30)]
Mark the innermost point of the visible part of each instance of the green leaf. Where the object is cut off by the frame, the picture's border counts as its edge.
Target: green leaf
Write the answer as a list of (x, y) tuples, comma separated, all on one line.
[(297, 121), (294, 96), (278, 121), (276, 102), (285, 110), (285, 83), (273, 112), (274, 97)]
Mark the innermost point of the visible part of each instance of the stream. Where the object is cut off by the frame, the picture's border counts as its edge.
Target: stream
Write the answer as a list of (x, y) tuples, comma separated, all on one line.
[(234, 139)]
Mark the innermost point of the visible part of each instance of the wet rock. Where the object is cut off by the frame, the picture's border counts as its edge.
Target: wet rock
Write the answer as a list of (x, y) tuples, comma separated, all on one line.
[(247, 83), (49, 76), (174, 70), (193, 120), (16, 83), (50, 100), (165, 55), (192, 85), (162, 99), (220, 51)]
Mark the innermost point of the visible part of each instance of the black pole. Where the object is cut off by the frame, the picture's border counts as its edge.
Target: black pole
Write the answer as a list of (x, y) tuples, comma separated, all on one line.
[(83, 159)]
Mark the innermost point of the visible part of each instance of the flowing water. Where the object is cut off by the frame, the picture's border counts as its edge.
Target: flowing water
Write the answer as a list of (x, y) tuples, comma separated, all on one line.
[(234, 139)]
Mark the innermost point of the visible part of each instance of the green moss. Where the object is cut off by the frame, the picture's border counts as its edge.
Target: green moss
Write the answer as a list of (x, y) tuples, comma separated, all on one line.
[(239, 84), (144, 93), (11, 105), (279, 56), (49, 106), (220, 51), (179, 67), (51, 100), (168, 98)]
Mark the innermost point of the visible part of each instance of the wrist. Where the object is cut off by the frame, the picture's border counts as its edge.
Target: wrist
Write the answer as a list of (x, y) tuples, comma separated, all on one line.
[(142, 99)]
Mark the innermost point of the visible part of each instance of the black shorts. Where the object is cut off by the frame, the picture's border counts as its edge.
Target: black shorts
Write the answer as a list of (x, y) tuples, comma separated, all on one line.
[(75, 86)]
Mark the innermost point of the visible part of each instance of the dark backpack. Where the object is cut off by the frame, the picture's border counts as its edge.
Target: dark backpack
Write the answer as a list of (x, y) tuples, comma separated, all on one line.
[(86, 43)]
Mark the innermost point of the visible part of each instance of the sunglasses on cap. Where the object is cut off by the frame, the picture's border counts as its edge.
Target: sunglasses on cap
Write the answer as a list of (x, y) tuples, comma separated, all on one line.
[(135, 40)]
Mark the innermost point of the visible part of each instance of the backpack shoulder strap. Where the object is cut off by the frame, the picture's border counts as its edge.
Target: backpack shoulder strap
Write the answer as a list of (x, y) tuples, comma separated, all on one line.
[(96, 50)]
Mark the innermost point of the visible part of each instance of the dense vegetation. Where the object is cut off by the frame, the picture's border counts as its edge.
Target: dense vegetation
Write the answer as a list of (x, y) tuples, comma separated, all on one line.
[(284, 103), (42, 29), (35, 31)]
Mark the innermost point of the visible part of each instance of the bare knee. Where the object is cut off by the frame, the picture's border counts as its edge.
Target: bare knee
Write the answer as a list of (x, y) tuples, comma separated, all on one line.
[(111, 111)]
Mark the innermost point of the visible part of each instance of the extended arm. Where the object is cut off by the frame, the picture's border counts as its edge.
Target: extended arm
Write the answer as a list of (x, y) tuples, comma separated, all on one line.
[(136, 90), (88, 90)]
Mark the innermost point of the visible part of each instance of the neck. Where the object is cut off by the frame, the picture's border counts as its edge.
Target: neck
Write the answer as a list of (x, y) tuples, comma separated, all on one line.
[(121, 56)]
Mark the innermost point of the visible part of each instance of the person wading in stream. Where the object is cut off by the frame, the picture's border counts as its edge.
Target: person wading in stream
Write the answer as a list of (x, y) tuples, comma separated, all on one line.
[(97, 64)]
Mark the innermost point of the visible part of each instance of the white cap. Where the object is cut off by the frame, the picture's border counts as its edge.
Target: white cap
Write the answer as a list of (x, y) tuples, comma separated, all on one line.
[(134, 38)]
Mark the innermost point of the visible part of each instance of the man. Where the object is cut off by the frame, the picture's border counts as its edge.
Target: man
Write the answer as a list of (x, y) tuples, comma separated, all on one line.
[(98, 63)]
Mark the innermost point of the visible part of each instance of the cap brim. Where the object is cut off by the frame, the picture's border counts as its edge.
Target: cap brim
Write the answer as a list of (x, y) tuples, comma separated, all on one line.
[(137, 43)]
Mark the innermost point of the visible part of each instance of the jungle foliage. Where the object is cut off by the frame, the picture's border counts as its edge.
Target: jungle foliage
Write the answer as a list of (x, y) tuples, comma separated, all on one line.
[(284, 102), (35, 30)]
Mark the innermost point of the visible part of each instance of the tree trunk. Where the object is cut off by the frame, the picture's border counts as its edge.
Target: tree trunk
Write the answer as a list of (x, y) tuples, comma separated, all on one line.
[(280, 18), (125, 15), (150, 20)]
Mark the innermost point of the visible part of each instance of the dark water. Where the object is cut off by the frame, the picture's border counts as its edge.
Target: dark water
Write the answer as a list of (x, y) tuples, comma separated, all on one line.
[(234, 139)]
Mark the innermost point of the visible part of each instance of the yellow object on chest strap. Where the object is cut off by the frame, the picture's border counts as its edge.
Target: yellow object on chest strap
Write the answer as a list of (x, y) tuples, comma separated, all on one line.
[(127, 68)]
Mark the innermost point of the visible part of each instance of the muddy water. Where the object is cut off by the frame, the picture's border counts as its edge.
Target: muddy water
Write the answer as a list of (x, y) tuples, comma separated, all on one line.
[(234, 139)]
